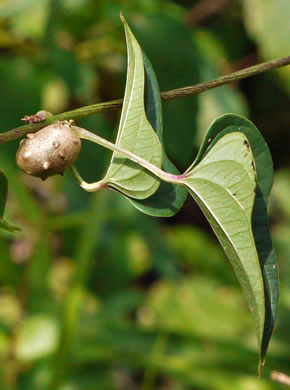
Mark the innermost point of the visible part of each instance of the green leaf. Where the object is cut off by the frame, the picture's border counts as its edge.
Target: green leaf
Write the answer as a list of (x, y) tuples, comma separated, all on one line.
[(264, 170), (3, 192), (169, 198), (135, 133), (3, 196), (8, 226), (217, 101), (223, 184)]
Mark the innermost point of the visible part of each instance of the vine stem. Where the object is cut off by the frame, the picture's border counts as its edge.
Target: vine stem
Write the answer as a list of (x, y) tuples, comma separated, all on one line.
[(85, 134), (168, 95)]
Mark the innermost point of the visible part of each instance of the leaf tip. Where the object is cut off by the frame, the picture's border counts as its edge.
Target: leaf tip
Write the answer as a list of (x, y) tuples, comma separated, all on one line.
[(122, 17), (8, 227)]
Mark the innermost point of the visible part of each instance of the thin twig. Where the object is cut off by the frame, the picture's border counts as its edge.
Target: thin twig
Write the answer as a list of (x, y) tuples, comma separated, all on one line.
[(236, 76), (168, 95)]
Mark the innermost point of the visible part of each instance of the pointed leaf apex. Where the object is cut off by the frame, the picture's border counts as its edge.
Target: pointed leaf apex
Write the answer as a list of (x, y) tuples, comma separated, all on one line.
[(122, 17), (135, 133)]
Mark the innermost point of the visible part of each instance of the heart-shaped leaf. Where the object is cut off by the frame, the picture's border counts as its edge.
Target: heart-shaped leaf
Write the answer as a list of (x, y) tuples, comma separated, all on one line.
[(264, 169), (3, 196), (135, 133), (223, 184), (169, 198)]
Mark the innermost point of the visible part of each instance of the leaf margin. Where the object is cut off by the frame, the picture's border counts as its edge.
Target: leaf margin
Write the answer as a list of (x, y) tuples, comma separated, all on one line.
[(134, 181), (259, 316), (264, 166)]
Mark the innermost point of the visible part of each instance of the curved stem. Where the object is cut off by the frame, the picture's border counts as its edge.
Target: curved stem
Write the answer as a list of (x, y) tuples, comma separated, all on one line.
[(85, 134), (89, 187), (168, 95)]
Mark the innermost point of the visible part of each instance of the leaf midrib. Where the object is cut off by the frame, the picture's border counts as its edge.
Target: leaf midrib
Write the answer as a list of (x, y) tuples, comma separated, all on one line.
[(230, 241)]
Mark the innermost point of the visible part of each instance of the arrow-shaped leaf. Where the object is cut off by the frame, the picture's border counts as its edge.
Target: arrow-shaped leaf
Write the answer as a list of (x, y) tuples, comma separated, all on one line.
[(135, 133), (264, 168), (3, 196), (169, 198), (223, 184)]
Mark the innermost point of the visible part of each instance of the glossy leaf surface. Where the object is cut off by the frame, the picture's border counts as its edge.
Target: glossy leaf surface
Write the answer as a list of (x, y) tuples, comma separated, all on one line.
[(135, 133), (223, 184)]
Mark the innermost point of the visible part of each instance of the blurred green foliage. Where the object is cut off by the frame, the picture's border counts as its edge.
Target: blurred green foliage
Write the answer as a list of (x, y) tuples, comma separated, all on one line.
[(94, 294)]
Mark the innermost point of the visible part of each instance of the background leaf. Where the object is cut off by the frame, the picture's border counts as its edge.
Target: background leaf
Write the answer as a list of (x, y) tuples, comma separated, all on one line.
[(135, 133), (223, 184), (169, 198), (268, 23), (172, 65), (3, 192), (3, 196), (215, 102)]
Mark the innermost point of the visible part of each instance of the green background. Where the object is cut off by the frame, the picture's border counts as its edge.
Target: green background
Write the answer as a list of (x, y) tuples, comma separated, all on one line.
[(94, 294)]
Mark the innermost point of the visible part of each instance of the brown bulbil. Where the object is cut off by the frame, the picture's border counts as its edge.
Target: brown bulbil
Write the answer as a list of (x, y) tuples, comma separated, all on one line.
[(50, 151)]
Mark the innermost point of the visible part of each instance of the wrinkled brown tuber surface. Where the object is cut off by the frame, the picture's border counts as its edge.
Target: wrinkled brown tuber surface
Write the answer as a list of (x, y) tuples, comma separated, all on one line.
[(50, 151)]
